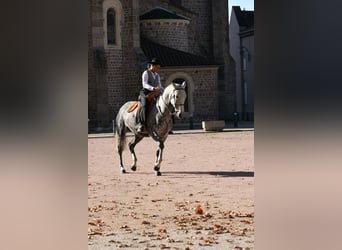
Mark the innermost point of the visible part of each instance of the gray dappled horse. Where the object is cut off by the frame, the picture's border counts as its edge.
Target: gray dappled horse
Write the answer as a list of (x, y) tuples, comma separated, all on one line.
[(158, 123)]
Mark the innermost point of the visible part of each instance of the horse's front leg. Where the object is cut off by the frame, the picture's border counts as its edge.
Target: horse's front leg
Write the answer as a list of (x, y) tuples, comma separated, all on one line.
[(159, 155), (131, 145)]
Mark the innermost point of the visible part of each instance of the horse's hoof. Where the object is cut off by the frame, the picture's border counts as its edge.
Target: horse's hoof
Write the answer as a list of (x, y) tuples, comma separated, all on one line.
[(123, 171), (157, 173), (133, 168)]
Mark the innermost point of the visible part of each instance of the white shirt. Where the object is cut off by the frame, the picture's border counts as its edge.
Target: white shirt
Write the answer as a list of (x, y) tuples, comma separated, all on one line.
[(145, 81)]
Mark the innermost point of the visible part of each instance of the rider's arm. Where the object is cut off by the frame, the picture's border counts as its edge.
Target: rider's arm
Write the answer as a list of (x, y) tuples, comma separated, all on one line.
[(145, 81), (159, 84)]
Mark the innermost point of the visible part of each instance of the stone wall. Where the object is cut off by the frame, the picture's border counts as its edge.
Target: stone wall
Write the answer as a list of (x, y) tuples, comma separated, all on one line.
[(170, 32), (204, 94), (200, 34), (116, 70), (91, 74), (221, 54), (98, 93)]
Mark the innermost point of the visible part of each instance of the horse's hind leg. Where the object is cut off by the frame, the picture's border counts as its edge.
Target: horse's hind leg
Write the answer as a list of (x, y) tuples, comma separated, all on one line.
[(122, 169), (131, 145), (120, 148), (120, 135), (159, 155)]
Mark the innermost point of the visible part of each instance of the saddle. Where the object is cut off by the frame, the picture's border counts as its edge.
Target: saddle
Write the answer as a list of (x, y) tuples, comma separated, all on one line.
[(150, 97), (133, 106)]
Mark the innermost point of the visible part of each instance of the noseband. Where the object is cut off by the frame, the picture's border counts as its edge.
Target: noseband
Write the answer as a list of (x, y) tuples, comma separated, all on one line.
[(172, 109)]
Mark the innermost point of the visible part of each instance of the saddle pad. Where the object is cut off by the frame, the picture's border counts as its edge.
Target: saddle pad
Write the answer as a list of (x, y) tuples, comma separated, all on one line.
[(133, 106)]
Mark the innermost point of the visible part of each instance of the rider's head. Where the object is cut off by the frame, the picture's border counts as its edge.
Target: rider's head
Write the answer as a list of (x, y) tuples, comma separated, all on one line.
[(154, 64)]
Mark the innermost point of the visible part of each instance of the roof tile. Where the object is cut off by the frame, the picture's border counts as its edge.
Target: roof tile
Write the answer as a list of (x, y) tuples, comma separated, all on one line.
[(160, 13), (171, 57)]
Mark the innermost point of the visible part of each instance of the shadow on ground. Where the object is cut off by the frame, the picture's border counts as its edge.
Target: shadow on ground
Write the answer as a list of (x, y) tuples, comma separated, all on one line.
[(215, 173)]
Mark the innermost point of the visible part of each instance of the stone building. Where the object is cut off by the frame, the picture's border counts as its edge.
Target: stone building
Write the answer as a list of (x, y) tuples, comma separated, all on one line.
[(190, 38)]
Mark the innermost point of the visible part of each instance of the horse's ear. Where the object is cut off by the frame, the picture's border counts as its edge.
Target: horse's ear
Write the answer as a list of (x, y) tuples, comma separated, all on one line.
[(184, 85)]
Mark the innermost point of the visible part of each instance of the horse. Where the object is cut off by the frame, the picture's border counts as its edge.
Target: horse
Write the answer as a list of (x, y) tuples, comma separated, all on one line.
[(158, 123)]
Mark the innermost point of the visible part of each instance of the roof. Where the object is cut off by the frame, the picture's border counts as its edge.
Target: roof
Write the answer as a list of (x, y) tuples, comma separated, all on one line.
[(245, 18), (170, 57), (160, 13)]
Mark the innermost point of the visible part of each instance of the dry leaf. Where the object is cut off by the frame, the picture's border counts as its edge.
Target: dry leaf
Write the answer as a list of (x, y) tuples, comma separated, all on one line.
[(198, 210), (163, 246), (94, 231), (162, 230), (246, 221), (239, 248), (96, 222)]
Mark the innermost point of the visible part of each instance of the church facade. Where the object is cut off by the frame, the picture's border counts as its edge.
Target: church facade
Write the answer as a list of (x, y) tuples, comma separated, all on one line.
[(190, 38)]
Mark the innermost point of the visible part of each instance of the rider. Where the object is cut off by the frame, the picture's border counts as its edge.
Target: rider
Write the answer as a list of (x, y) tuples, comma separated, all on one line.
[(150, 82)]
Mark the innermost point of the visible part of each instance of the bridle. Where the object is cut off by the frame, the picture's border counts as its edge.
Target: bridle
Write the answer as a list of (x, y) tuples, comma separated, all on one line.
[(173, 109)]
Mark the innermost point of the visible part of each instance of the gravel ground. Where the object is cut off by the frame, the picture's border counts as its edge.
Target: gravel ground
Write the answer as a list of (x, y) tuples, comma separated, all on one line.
[(203, 200)]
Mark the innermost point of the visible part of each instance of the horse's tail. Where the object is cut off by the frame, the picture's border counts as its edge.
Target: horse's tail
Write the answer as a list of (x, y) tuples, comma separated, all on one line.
[(120, 133)]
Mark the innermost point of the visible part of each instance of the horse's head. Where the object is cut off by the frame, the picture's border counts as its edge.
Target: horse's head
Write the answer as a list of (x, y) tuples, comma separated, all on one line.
[(177, 99)]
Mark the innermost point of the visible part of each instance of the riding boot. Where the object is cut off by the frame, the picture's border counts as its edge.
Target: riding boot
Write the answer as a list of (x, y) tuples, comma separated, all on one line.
[(140, 126), (142, 111)]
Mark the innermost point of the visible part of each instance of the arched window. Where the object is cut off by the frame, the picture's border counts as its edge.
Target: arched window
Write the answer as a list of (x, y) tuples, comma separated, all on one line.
[(112, 15), (179, 78), (111, 37)]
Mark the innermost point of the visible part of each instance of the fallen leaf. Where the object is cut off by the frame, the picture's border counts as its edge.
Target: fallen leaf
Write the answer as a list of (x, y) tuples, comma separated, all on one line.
[(162, 230), (198, 210)]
